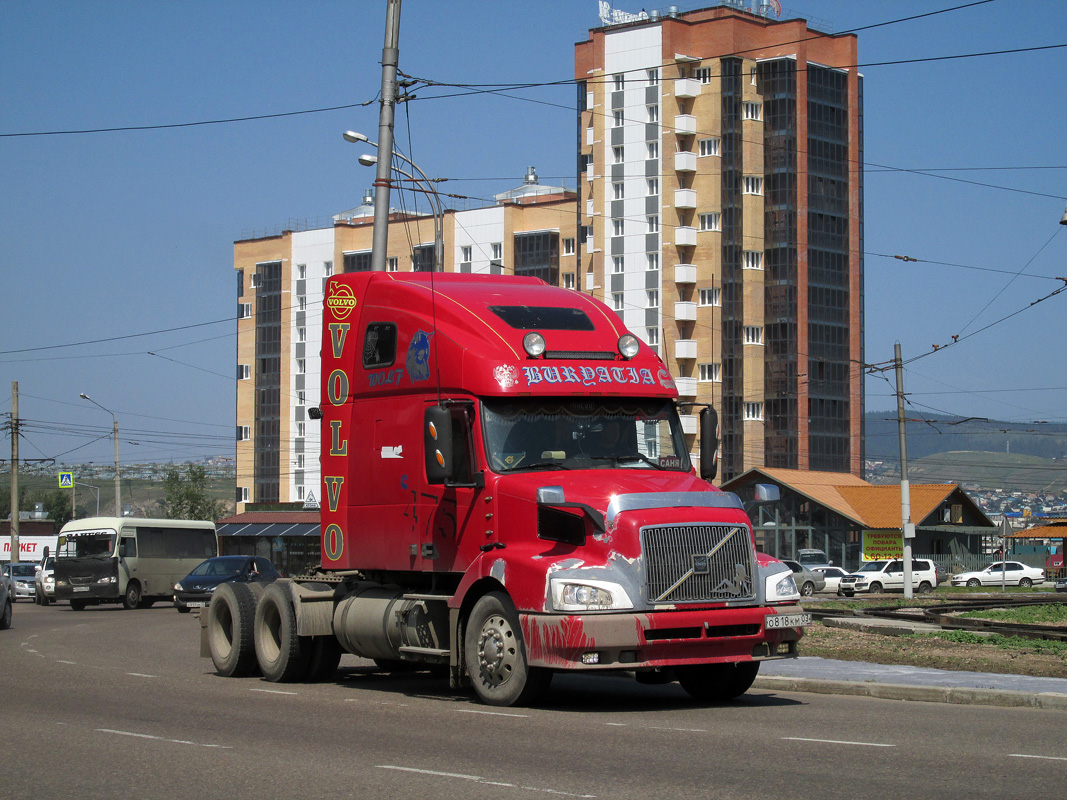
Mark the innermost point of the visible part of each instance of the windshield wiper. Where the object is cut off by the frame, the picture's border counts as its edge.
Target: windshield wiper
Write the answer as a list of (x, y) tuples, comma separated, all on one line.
[(537, 464), (640, 457)]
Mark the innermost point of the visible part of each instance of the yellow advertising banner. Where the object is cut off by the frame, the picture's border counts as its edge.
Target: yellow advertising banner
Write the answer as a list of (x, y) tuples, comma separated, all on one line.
[(882, 545)]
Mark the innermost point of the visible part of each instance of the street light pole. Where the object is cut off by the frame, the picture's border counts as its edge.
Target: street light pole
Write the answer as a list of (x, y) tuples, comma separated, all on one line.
[(115, 435)]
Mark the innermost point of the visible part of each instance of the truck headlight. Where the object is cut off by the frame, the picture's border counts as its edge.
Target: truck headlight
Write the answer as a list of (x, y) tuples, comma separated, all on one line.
[(778, 583), (570, 595), (108, 579)]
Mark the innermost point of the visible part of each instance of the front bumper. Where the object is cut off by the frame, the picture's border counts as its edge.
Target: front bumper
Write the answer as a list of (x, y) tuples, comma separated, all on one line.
[(25, 589), (88, 592), (658, 639)]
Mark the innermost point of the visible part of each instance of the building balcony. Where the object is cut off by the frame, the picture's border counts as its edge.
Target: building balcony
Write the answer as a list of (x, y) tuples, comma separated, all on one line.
[(685, 162), (685, 198), (685, 311), (686, 87), (689, 421), (685, 236), (685, 273), (687, 387), (685, 348), (685, 125)]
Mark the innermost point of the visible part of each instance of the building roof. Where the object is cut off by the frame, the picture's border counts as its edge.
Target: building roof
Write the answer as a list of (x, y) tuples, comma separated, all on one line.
[(256, 517), (822, 487), (1053, 530)]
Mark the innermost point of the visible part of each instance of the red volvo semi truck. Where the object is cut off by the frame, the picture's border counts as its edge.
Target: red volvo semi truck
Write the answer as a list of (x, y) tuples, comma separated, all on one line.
[(508, 493)]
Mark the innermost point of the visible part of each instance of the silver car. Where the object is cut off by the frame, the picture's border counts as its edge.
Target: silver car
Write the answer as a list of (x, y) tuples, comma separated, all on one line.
[(24, 575), (808, 582)]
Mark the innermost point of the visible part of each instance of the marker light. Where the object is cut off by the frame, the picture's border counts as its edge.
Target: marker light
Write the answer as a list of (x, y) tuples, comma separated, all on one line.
[(533, 344), (629, 345)]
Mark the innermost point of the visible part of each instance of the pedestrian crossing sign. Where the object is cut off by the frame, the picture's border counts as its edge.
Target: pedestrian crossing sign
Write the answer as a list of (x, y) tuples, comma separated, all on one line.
[(66, 480)]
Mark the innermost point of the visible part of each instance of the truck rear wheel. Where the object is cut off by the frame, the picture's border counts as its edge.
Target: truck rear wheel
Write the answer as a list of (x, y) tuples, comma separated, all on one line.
[(717, 683), (229, 630), (282, 655), (495, 655), (132, 598), (325, 655)]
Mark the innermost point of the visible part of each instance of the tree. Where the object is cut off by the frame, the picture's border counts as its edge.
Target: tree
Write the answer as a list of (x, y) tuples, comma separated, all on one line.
[(187, 497), (57, 504)]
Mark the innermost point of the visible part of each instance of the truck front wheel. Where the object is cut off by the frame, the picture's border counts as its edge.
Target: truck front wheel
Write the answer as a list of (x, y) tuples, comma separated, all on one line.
[(717, 683), (495, 654)]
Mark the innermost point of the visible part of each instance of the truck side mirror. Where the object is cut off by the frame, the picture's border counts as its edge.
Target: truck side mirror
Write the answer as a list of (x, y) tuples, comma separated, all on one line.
[(709, 444), (437, 442)]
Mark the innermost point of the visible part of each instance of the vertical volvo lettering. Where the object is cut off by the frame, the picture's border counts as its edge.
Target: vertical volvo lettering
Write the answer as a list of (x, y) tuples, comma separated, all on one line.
[(508, 494)]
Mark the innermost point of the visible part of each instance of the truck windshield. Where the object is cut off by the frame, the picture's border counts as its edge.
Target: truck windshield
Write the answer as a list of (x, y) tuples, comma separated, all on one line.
[(579, 434), (99, 544)]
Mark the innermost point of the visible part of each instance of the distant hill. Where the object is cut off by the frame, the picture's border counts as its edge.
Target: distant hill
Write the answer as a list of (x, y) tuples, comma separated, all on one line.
[(988, 453)]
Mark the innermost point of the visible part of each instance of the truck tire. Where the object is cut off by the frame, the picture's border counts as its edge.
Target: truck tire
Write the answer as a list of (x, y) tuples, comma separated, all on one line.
[(325, 655), (717, 683), (230, 620), (282, 655), (495, 655), (132, 598)]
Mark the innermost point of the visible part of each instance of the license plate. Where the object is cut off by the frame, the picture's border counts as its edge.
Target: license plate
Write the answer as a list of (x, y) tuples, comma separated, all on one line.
[(81, 588), (196, 604), (787, 621)]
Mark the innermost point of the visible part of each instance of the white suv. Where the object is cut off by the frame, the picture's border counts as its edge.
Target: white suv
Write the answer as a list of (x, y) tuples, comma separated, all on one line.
[(888, 576)]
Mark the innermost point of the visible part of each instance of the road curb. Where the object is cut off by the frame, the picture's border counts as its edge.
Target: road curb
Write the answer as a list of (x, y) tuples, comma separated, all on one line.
[(1052, 701)]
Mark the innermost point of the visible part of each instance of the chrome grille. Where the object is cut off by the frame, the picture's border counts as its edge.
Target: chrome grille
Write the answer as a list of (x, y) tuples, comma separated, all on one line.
[(694, 563)]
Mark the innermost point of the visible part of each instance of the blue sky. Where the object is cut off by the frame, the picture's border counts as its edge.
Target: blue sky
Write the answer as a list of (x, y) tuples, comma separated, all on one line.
[(109, 235)]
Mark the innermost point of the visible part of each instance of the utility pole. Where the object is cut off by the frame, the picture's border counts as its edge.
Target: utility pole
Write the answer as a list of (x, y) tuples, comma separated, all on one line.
[(14, 472), (390, 57), (907, 527)]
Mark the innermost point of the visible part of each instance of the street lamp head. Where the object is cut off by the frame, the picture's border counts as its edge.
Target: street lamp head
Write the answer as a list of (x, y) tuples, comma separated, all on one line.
[(1063, 219), (83, 396), (355, 136), (368, 160)]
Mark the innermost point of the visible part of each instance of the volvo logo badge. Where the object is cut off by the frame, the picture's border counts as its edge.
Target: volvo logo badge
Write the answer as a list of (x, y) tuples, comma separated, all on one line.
[(700, 564)]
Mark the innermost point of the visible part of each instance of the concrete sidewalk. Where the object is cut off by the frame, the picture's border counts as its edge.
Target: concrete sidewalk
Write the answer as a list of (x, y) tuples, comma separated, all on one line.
[(896, 682)]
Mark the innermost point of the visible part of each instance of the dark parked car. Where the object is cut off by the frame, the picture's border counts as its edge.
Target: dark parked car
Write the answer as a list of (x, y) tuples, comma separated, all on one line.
[(196, 588), (1061, 584), (5, 606)]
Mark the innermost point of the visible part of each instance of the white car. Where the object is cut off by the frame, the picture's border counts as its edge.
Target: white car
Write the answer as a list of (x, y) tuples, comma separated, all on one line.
[(887, 576), (994, 575), (833, 577)]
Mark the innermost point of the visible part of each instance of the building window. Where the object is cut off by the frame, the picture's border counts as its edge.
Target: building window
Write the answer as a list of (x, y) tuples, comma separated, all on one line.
[(653, 261), (299, 460), (708, 147), (301, 366), (392, 265), (618, 154), (616, 301), (301, 334), (653, 113), (711, 373), (753, 411), (618, 191), (465, 253), (653, 298), (752, 111), (357, 262), (568, 247), (240, 283), (299, 492), (653, 149), (753, 259), (703, 74), (620, 82), (617, 118), (653, 187), (753, 185), (618, 264), (498, 250), (244, 433), (653, 223), (301, 271), (242, 494), (587, 232), (568, 280), (710, 221), (301, 428), (753, 334), (244, 310), (253, 282), (653, 77), (617, 227), (711, 297), (302, 303), (652, 336), (327, 268), (301, 398), (244, 372), (537, 255)]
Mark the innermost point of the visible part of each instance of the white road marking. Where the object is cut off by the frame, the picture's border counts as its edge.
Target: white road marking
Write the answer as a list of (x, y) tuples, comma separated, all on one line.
[(141, 675), (491, 713), (479, 779), (678, 730), (1047, 758), (162, 739), (373, 702), (67, 662), (835, 741), (271, 691)]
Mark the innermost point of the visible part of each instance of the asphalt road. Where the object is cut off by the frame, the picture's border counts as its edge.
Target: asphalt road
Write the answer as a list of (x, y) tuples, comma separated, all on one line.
[(109, 703)]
